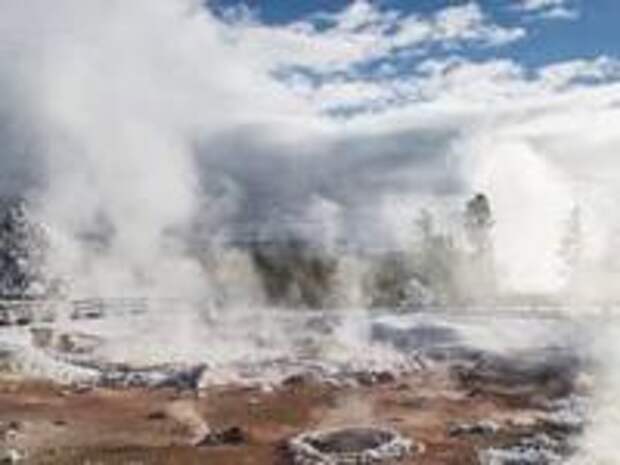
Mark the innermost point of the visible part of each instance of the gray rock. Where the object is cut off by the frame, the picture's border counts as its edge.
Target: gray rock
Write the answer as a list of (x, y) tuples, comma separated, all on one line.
[(482, 428)]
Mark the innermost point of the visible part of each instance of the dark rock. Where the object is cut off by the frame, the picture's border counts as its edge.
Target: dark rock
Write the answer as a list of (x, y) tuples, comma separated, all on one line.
[(14, 425), (371, 378), (385, 377), (229, 436), (482, 428), (298, 379), (157, 415)]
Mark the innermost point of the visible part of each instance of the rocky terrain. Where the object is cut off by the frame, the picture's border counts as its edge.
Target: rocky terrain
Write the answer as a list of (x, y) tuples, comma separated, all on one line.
[(457, 402)]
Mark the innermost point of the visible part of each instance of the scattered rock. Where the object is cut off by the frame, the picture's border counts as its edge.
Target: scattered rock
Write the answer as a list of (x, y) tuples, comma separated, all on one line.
[(183, 378), (482, 428), (229, 436), (384, 377), (14, 425), (567, 415), (519, 455), (370, 378), (298, 379), (157, 415), (540, 449)]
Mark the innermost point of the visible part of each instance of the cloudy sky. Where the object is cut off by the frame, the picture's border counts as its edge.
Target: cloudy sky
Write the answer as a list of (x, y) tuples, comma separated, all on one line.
[(363, 55), (517, 98), (340, 116)]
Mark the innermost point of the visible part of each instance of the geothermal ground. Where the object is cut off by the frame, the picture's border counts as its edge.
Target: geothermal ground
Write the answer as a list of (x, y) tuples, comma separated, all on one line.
[(461, 390)]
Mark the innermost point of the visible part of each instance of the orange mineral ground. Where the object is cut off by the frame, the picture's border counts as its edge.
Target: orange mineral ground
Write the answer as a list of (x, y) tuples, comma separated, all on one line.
[(54, 424)]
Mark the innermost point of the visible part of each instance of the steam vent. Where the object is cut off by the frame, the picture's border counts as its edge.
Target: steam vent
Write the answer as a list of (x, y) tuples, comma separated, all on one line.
[(349, 446)]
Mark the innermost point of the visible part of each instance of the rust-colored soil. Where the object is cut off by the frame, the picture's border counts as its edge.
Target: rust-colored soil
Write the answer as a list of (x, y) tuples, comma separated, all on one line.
[(137, 426)]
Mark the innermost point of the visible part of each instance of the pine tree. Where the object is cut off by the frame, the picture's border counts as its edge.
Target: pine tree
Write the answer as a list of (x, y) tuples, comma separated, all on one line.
[(24, 247), (478, 224), (479, 275)]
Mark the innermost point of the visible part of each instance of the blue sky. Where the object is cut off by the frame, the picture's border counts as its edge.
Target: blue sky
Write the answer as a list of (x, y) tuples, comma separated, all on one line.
[(592, 32), (363, 55)]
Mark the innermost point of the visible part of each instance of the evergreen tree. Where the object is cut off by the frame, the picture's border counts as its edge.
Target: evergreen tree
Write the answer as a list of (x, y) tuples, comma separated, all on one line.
[(479, 223), (479, 274), (24, 247)]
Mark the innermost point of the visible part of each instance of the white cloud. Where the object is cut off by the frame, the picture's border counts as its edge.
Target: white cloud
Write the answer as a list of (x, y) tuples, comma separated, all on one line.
[(535, 5), (473, 83), (362, 32), (468, 22), (560, 13), (550, 9), (562, 74)]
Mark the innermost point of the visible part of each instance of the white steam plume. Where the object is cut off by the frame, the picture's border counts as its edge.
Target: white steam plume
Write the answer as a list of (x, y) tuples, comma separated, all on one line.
[(116, 96)]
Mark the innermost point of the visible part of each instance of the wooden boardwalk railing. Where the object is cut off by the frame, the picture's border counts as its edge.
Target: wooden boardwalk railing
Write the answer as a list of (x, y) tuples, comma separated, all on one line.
[(25, 312)]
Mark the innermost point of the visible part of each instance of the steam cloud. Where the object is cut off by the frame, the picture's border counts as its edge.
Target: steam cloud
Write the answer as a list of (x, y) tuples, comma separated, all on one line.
[(129, 121), (132, 123)]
